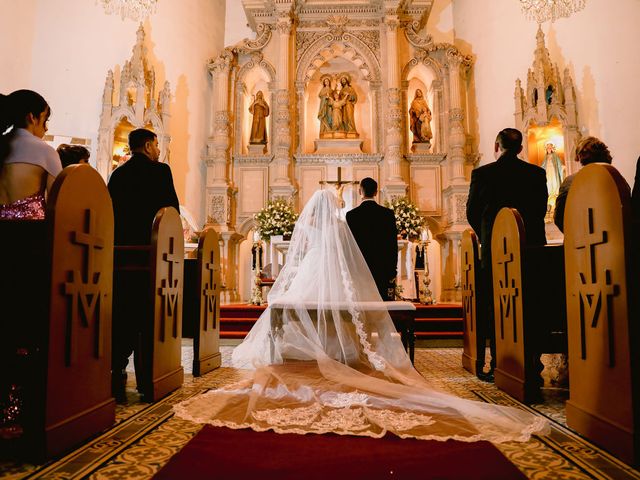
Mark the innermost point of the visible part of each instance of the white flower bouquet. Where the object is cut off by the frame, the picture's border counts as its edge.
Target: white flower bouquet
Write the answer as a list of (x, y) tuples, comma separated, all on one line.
[(278, 217), (408, 220)]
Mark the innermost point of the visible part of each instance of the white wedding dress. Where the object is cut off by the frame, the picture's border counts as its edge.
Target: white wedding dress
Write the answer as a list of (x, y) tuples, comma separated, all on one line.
[(325, 356)]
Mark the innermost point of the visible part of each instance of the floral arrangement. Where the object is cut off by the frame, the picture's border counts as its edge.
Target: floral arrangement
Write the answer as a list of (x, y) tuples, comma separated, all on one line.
[(276, 218), (408, 220)]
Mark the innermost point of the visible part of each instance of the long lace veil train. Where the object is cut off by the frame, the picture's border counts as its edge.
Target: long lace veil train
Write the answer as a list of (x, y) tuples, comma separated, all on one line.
[(325, 357)]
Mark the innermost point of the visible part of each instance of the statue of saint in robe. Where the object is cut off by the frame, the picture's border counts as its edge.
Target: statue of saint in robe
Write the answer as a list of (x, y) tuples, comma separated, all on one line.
[(349, 95), (260, 111), (325, 113), (420, 119)]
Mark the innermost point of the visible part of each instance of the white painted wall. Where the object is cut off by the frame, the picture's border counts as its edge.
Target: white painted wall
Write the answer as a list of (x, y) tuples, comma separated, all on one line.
[(598, 45), (69, 45), (17, 30)]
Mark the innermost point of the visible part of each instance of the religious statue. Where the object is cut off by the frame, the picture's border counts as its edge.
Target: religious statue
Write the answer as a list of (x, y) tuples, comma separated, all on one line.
[(420, 118), (325, 113), (337, 103), (554, 168), (260, 111), (350, 97)]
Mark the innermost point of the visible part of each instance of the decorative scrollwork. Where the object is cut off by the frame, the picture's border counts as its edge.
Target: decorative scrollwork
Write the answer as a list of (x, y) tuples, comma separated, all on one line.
[(415, 39)]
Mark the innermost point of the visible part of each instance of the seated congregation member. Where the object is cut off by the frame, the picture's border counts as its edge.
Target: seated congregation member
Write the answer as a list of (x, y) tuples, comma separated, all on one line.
[(507, 182), (374, 228), (72, 154), (589, 150), (139, 188), (28, 166)]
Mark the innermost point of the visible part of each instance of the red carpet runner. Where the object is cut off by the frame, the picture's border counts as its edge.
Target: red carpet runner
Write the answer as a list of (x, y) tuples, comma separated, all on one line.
[(221, 453)]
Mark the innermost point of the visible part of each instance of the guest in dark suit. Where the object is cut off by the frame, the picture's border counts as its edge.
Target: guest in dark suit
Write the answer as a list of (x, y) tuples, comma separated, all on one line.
[(589, 150), (139, 188), (374, 228), (507, 182)]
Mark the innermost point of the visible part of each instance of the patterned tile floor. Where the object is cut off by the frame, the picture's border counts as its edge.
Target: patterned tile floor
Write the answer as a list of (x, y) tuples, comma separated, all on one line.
[(147, 435)]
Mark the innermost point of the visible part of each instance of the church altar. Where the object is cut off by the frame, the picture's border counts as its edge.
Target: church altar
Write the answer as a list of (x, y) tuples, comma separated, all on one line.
[(363, 88)]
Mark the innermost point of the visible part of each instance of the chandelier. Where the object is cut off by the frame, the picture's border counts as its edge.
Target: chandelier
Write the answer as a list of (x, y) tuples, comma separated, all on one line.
[(137, 10), (543, 10)]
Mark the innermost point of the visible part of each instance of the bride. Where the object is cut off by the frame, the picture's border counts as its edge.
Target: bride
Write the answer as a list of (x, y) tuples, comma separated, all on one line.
[(325, 356)]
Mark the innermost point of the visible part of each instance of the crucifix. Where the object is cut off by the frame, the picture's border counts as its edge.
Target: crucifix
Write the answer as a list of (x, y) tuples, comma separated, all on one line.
[(339, 184)]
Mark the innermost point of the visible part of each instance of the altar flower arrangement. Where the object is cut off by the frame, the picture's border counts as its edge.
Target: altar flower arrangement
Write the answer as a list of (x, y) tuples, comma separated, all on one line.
[(276, 218), (408, 220)]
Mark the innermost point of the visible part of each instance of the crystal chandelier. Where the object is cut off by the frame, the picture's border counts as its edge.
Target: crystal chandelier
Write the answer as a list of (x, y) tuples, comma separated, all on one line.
[(543, 10), (137, 10)]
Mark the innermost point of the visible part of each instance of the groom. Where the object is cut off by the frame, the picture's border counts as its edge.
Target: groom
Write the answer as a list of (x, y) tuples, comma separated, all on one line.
[(374, 228)]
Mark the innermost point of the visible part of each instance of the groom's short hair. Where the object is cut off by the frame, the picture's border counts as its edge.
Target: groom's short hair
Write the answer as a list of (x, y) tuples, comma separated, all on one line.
[(369, 186)]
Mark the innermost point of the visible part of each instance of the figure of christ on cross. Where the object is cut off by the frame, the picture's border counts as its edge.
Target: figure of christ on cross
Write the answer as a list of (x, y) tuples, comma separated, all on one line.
[(339, 184)]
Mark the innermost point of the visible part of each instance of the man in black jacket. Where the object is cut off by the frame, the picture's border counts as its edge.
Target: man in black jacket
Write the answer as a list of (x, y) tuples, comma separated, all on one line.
[(139, 188), (507, 182), (374, 228)]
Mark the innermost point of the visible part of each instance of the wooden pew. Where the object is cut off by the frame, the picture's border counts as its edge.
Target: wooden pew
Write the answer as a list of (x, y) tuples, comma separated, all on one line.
[(57, 279), (158, 353), (529, 306), (201, 317), (602, 312), (472, 342)]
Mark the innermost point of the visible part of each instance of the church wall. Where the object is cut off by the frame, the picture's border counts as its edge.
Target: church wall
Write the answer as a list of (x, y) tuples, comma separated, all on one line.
[(18, 32), (75, 44), (598, 45)]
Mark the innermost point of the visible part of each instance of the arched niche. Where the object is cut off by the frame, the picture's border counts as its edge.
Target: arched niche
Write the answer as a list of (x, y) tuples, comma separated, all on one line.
[(132, 105), (363, 112), (333, 54), (255, 75), (426, 74)]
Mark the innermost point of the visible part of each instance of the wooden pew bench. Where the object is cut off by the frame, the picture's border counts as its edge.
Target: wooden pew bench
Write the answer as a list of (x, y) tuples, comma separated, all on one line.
[(472, 341), (150, 280), (529, 306), (602, 309), (402, 314), (55, 292), (201, 306)]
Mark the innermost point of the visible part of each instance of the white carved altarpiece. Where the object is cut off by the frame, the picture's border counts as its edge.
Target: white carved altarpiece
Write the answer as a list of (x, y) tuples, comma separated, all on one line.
[(386, 53), (133, 104), (546, 113)]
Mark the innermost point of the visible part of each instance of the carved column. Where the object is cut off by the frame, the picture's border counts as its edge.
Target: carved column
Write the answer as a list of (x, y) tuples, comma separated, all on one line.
[(281, 185), (457, 136), (395, 185), (219, 188)]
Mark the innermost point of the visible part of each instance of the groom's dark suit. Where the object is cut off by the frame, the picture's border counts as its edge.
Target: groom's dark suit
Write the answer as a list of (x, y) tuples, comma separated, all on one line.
[(374, 228)]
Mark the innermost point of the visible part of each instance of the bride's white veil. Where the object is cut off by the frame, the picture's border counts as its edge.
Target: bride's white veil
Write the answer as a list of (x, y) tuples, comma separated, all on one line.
[(325, 356)]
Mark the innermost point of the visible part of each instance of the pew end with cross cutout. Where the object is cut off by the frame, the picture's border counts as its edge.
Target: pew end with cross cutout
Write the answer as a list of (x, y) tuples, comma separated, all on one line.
[(529, 306), (602, 310), (472, 341), (57, 279), (150, 280), (201, 308)]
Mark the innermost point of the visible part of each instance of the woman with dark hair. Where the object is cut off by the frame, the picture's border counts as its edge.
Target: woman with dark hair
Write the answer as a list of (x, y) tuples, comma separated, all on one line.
[(28, 166)]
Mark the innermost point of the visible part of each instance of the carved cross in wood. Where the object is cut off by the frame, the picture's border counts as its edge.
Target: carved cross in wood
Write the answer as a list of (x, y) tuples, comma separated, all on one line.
[(339, 184), (595, 290), (467, 291), (209, 293), (84, 289), (169, 290), (507, 291)]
